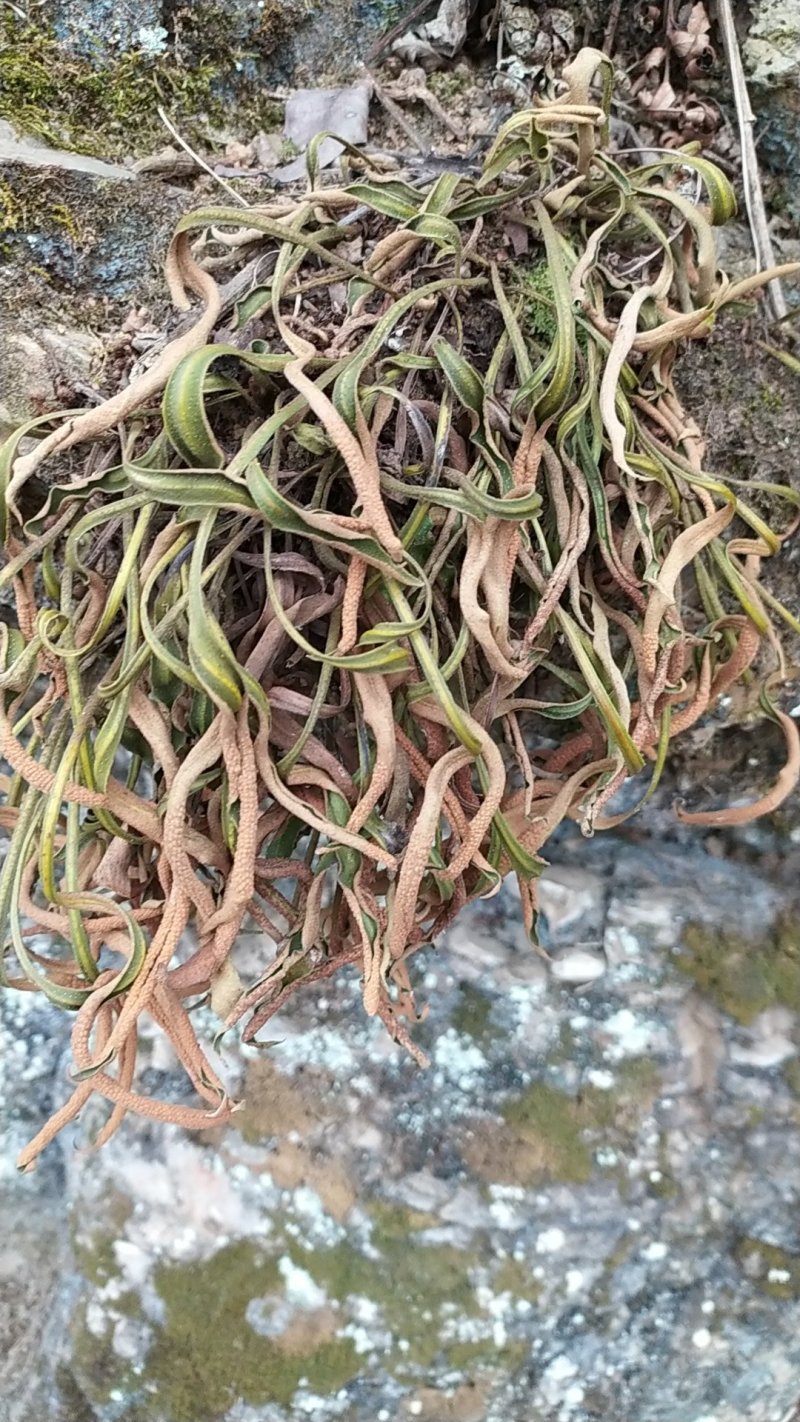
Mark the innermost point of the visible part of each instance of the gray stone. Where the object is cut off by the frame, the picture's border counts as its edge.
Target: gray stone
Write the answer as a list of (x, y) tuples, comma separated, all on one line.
[(772, 47), (588, 1193), (19, 148), (85, 238), (36, 371), (99, 29), (571, 902), (771, 54)]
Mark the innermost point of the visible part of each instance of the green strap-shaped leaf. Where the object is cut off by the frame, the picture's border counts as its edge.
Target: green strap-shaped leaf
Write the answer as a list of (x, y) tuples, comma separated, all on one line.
[(200, 490), (280, 512), (393, 199), (183, 406), (210, 654)]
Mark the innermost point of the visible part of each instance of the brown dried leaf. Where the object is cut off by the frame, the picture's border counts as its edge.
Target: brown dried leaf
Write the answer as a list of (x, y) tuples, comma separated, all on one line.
[(691, 40), (661, 99)]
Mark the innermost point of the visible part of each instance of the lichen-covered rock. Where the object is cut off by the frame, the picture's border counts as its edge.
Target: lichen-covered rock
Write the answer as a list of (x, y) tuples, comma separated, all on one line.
[(772, 48), (81, 234), (79, 250), (243, 41), (772, 56), (103, 28), (589, 1192)]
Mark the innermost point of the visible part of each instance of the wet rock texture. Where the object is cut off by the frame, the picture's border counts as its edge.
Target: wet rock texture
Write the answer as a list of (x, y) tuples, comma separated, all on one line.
[(586, 1208)]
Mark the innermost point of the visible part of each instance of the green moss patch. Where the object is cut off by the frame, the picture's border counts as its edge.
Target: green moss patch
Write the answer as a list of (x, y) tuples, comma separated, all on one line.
[(775, 1271), (472, 1016), (112, 111), (566, 1128), (543, 1116), (415, 1285), (207, 1355), (741, 976)]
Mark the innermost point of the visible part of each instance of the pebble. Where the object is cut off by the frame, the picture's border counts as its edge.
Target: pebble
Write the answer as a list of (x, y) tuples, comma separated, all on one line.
[(578, 965)]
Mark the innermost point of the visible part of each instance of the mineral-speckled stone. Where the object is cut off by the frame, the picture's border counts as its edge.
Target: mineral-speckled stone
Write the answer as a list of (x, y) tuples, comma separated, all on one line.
[(591, 1191)]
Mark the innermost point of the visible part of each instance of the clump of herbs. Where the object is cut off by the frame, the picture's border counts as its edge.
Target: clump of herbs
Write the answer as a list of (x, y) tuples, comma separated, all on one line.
[(388, 586)]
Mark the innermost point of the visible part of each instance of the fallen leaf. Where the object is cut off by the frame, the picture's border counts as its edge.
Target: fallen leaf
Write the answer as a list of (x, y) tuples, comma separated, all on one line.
[(692, 39), (443, 35), (343, 112), (518, 236)]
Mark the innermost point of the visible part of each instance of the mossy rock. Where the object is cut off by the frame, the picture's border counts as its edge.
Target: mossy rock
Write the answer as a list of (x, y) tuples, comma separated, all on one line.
[(92, 76), (472, 1016), (566, 1130), (110, 109), (71, 233)]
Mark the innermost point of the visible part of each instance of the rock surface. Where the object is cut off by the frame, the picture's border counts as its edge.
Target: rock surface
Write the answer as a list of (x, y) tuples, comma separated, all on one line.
[(593, 1189), (20, 148), (268, 38), (772, 56), (83, 242), (81, 232)]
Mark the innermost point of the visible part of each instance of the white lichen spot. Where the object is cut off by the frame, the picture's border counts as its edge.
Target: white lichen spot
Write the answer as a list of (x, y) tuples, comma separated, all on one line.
[(96, 1319), (130, 1339), (655, 1251), (557, 1372), (134, 1261), (573, 1280), (459, 1059), (315, 1406), (550, 1241), (324, 1047), (505, 1216), (301, 1290), (574, 1395), (152, 39), (620, 943), (601, 1080), (361, 1339), (364, 1310), (631, 1035), (606, 1157), (319, 1227), (269, 1317), (779, 1276), (701, 1338)]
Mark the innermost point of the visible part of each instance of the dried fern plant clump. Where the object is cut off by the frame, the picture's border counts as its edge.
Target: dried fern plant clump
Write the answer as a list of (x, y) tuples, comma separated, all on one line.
[(329, 618)]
